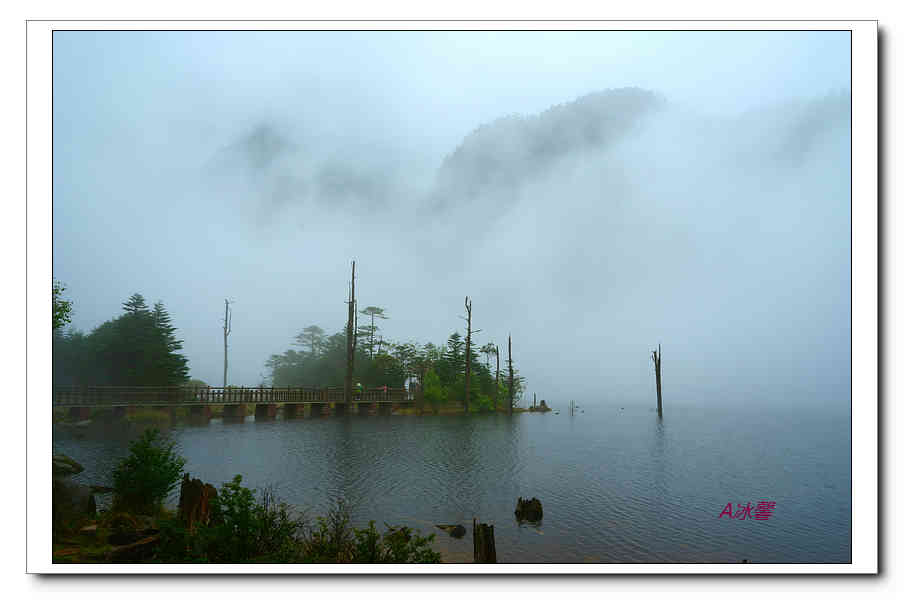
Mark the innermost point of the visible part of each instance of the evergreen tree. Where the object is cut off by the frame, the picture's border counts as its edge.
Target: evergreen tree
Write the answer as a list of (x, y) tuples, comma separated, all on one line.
[(138, 348), (310, 337), (62, 309), (136, 305)]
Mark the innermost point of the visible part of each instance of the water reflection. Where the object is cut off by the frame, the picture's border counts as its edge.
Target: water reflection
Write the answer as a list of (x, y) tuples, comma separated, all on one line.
[(616, 486)]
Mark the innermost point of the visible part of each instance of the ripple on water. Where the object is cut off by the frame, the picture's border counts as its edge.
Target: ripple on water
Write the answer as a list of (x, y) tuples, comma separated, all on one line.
[(616, 486)]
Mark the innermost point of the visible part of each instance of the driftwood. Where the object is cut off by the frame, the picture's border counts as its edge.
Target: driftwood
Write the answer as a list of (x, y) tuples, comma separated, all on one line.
[(484, 543), (194, 502)]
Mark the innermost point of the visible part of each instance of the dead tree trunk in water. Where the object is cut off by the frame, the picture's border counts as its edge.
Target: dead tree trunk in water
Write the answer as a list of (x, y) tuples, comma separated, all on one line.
[(468, 358), (227, 328), (496, 391), (657, 363), (351, 342), (511, 382), (484, 542)]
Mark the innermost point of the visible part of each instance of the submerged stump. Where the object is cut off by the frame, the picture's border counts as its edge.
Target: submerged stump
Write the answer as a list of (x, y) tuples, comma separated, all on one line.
[(530, 510), (484, 543)]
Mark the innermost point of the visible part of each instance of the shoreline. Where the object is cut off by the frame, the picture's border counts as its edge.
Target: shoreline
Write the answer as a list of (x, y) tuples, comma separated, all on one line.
[(155, 414)]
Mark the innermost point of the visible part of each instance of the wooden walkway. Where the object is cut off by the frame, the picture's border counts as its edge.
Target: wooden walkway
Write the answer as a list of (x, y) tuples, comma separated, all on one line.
[(100, 396)]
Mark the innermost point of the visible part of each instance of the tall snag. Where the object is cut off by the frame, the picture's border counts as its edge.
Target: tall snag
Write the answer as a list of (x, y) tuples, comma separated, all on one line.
[(496, 391), (468, 358), (227, 328), (511, 382), (351, 341), (657, 363)]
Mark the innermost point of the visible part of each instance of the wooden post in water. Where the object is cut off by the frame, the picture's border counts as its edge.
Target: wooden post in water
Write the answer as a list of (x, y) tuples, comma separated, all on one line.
[(657, 363), (484, 542)]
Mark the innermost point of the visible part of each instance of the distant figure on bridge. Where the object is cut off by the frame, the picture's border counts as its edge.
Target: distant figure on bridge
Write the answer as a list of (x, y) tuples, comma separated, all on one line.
[(359, 389)]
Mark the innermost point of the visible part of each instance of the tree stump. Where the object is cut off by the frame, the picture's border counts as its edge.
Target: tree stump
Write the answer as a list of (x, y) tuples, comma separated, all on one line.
[(194, 502), (484, 543), (530, 510)]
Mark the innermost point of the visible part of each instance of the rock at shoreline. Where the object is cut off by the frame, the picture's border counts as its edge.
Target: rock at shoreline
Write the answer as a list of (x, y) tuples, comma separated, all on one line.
[(455, 530), (64, 466), (71, 502), (530, 510)]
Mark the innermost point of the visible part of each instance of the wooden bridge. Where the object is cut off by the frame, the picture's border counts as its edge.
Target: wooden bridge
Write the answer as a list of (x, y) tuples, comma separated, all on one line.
[(79, 400)]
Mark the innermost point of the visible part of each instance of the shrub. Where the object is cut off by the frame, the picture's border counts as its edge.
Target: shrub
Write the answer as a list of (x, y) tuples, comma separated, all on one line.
[(397, 545), (245, 528), (334, 541), (482, 403), (434, 392), (143, 480)]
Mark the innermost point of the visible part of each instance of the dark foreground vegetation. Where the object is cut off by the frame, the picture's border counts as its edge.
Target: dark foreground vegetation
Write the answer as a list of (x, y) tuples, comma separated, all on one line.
[(232, 525)]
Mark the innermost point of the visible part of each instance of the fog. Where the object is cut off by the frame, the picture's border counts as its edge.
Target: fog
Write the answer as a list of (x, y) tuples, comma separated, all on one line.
[(594, 193)]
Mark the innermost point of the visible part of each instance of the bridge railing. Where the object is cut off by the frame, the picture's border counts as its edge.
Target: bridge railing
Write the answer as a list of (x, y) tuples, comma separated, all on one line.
[(186, 395)]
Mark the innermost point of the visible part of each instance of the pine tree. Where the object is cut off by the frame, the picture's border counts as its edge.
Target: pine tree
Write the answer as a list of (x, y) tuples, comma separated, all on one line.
[(136, 305)]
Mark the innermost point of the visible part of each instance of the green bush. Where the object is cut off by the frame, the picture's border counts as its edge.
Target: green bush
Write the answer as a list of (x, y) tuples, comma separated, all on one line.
[(143, 480), (334, 541), (434, 392), (244, 527), (247, 526), (482, 403), (397, 545)]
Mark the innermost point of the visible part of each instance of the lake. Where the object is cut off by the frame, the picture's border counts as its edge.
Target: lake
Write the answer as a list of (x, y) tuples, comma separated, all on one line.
[(617, 485)]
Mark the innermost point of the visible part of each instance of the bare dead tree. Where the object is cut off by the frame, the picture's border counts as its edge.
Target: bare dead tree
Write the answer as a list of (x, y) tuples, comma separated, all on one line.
[(511, 382), (468, 357), (351, 340), (227, 328), (496, 391), (657, 363)]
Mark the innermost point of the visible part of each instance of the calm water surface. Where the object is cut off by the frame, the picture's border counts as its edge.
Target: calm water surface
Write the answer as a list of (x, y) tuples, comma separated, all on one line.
[(617, 486)]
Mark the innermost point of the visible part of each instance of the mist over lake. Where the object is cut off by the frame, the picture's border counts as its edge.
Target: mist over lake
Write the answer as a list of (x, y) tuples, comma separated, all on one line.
[(572, 201)]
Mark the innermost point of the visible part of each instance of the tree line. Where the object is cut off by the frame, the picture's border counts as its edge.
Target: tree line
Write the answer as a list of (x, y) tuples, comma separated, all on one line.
[(137, 348), (454, 371)]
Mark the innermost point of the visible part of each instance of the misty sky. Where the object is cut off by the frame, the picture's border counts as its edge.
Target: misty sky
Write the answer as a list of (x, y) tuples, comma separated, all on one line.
[(706, 209)]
